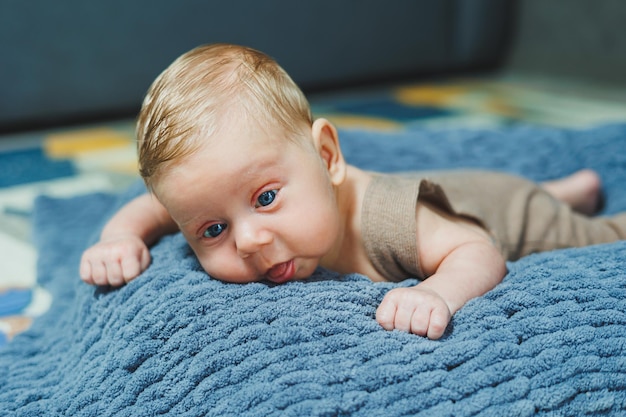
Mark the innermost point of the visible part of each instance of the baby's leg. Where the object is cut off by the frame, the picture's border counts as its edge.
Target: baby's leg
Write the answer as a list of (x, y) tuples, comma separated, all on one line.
[(581, 190)]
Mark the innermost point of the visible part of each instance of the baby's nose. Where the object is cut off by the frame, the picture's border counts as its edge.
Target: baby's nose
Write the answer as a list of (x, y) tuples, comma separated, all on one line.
[(250, 238)]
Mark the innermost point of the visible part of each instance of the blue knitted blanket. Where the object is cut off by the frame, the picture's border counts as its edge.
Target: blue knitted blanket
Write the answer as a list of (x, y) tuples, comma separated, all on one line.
[(550, 340)]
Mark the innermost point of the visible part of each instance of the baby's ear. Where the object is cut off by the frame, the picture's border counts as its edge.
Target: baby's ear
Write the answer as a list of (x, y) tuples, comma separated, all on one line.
[(326, 142)]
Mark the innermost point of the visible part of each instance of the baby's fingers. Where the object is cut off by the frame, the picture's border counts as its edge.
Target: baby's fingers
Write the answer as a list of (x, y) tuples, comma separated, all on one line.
[(99, 274), (437, 323), (114, 274), (420, 321), (397, 311), (131, 267), (85, 271), (386, 313), (419, 312)]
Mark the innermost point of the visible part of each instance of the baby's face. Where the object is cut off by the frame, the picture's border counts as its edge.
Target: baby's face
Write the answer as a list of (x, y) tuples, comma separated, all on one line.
[(254, 206)]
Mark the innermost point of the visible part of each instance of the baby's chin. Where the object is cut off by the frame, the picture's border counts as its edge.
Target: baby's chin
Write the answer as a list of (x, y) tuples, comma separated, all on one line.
[(236, 280), (292, 270)]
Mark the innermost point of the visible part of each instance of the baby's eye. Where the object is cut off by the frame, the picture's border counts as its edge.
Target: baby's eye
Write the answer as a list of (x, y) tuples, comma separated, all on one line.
[(215, 230), (266, 198)]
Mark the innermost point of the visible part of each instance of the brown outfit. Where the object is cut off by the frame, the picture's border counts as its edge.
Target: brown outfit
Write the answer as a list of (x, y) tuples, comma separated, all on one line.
[(521, 217)]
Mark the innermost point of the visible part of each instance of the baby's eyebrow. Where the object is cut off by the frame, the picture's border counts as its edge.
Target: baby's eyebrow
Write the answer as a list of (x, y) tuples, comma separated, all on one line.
[(196, 222)]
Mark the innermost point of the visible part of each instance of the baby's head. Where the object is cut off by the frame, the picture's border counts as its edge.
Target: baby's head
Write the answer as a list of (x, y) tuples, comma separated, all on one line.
[(188, 103), (228, 146)]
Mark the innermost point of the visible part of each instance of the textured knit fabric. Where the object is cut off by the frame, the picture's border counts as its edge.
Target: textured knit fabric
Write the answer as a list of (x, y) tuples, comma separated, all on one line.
[(520, 216), (387, 228), (549, 341)]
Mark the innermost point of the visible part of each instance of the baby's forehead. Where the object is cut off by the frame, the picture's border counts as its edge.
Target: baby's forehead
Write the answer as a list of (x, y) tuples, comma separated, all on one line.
[(241, 152), (255, 130)]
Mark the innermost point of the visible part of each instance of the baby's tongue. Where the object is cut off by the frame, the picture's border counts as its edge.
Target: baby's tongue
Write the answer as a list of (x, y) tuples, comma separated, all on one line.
[(278, 270)]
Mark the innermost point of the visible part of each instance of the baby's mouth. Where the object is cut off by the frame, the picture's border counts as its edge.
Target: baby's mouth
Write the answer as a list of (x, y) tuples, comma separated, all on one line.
[(281, 273)]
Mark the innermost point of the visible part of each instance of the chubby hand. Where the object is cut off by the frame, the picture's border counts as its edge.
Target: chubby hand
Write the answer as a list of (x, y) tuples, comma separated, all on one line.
[(416, 310), (114, 261)]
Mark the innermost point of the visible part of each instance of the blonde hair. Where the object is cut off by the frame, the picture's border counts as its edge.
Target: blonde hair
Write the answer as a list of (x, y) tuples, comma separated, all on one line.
[(185, 102)]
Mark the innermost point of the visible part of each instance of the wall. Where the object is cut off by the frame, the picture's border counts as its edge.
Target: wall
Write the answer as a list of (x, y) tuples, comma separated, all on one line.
[(65, 61), (579, 39)]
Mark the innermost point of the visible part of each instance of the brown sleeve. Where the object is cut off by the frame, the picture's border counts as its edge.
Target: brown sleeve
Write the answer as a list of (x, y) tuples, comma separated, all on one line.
[(389, 227)]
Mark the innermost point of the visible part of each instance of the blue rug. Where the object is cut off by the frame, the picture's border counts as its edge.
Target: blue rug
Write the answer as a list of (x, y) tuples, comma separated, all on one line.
[(24, 166), (550, 340)]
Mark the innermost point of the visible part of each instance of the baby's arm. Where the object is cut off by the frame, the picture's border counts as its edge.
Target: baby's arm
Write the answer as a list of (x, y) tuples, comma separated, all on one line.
[(122, 252), (460, 262)]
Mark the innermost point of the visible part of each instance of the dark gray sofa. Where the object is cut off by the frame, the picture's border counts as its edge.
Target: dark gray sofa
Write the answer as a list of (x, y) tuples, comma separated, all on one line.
[(66, 61)]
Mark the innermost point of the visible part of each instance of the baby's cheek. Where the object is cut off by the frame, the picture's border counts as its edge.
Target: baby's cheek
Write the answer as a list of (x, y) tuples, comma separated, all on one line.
[(228, 269)]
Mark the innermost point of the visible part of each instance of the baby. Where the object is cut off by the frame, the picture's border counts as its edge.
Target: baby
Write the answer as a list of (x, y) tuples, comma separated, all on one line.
[(233, 159)]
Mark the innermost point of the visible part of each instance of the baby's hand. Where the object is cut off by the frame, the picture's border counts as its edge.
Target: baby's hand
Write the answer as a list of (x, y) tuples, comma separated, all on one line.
[(417, 310), (114, 261)]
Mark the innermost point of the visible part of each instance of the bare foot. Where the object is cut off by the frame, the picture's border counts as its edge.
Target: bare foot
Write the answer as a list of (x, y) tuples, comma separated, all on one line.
[(581, 190)]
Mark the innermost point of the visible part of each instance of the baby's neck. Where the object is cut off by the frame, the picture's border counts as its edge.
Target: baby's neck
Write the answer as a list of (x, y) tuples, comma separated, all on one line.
[(349, 254)]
